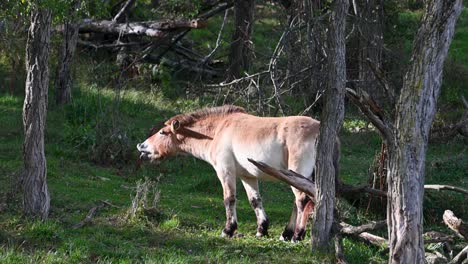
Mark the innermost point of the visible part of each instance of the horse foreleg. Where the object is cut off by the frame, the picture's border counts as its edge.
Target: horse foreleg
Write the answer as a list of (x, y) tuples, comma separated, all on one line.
[(251, 188)]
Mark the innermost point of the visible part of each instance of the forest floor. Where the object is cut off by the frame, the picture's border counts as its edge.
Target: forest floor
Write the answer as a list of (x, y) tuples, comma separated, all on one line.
[(186, 223)]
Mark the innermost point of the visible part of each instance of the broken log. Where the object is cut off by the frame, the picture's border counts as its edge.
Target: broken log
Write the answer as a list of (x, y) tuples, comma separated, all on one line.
[(456, 224), (290, 177), (154, 29)]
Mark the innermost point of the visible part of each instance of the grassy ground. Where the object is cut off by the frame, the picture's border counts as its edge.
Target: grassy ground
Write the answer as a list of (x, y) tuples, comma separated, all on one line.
[(190, 210)]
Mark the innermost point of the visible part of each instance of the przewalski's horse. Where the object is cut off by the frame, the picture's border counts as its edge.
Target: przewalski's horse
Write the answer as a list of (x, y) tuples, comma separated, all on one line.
[(225, 137)]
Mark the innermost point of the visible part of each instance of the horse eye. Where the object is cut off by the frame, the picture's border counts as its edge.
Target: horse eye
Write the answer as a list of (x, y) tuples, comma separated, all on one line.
[(162, 133)]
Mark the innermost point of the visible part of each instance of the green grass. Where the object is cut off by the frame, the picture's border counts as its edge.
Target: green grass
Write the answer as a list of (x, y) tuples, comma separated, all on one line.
[(192, 212)]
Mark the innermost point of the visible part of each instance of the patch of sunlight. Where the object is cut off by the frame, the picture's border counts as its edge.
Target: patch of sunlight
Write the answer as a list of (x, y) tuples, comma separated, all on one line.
[(357, 125)]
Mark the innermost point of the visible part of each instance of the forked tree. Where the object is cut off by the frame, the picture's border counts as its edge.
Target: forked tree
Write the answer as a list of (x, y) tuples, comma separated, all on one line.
[(36, 199)]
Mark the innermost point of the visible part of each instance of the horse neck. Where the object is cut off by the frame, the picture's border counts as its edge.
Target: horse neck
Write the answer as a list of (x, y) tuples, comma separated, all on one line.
[(198, 137)]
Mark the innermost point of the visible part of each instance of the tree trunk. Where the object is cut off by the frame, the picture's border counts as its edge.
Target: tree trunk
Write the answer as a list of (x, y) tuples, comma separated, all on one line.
[(370, 46), (415, 112), (332, 118), (241, 46), (63, 81), (36, 199)]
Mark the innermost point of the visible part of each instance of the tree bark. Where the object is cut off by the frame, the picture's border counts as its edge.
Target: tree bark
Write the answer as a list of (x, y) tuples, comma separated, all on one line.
[(415, 112), (370, 46), (36, 199), (332, 118), (63, 81), (241, 45)]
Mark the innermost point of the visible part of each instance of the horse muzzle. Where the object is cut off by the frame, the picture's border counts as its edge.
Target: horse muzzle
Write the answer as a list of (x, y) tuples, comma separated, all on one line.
[(145, 153)]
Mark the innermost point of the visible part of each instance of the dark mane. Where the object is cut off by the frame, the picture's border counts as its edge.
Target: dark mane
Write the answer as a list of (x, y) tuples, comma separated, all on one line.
[(190, 118)]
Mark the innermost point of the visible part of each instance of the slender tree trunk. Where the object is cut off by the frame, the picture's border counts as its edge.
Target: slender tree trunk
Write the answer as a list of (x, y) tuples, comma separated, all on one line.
[(370, 46), (415, 112), (63, 81), (332, 118), (241, 46), (36, 199)]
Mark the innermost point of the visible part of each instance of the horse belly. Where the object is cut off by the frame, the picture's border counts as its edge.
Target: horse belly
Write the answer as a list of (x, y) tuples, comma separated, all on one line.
[(271, 153)]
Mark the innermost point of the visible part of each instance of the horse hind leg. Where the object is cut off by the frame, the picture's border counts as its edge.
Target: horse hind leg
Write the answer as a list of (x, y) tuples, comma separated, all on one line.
[(303, 204), (291, 226), (228, 182), (253, 194)]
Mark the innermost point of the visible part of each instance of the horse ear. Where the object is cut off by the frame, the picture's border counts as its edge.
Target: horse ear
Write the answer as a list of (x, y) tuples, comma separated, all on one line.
[(175, 125)]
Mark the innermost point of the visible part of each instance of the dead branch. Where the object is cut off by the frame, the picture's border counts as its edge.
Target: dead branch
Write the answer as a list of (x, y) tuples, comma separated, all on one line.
[(380, 76), (373, 239), (353, 230), (439, 187), (290, 177), (460, 257), (89, 216), (436, 237), (118, 44), (339, 252), (375, 114), (351, 189), (124, 9), (185, 65), (154, 29), (456, 224)]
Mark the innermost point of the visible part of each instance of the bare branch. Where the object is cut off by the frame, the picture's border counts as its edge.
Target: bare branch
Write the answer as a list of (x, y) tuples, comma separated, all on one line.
[(439, 187), (290, 177), (380, 76), (370, 109), (89, 216), (353, 230), (460, 257), (124, 9)]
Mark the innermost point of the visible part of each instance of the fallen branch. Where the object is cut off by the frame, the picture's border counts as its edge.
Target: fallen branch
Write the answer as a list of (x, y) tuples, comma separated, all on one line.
[(110, 45), (154, 29), (353, 230), (436, 237), (439, 187), (456, 224), (339, 252), (89, 216), (460, 257), (373, 239), (290, 177), (183, 64)]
